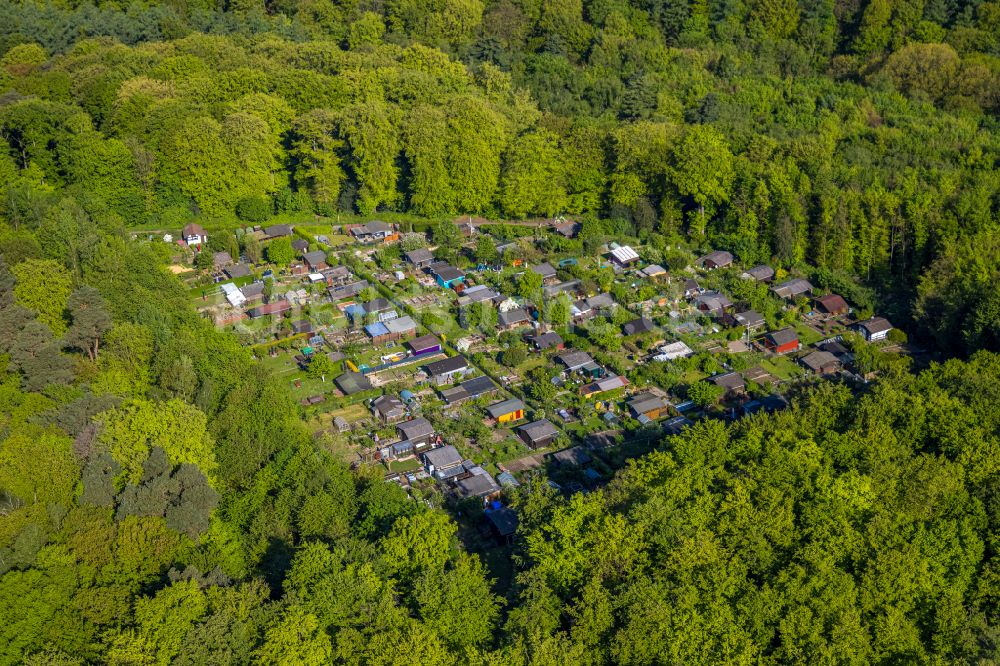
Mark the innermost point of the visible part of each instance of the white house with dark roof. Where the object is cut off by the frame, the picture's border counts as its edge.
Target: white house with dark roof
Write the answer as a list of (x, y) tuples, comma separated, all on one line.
[(874, 329)]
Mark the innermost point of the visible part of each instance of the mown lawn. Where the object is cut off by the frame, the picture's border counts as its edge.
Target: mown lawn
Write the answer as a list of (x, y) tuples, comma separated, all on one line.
[(781, 367), (807, 334)]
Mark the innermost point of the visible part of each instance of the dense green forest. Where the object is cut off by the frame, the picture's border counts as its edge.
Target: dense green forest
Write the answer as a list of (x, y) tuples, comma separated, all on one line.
[(160, 498), (853, 137)]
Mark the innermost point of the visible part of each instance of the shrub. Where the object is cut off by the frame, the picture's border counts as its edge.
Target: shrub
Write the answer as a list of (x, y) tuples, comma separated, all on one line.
[(254, 209)]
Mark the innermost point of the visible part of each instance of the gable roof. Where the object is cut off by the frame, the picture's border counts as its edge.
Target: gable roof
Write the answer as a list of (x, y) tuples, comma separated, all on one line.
[(544, 269), (401, 325), (729, 381), (388, 405), (237, 271), (424, 342), (415, 428), (419, 256), (547, 340), (276, 230), (498, 409), (443, 457), (274, 307), (478, 385), (512, 317), (749, 318), (793, 287), (832, 303), (574, 359), (447, 365), (676, 349), (253, 289), (608, 384), (646, 402), (759, 273), (636, 326), (818, 360), (348, 290), (478, 294), (539, 429), (192, 229), (352, 382), (574, 455), (477, 485), (555, 289), (604, 300), (783, 336), (713, 300), (376, 330), (378, 305), (448, 273), (315, 257), (875, 325), (717, 257), (504, 519)]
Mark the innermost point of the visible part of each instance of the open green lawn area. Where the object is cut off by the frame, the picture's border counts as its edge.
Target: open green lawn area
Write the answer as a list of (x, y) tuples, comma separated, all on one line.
[(215, 289), (692, 376), (284, 362), (532, 362), (807, 334), (258, 326), (404, 465), (508, 448), (349, 413), (283, 367), (781, 367)]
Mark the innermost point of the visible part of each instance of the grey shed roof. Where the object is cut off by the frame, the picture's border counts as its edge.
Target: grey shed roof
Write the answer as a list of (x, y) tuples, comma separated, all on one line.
[(511, 317), (448, 273), (783, 336), (388, 405), (636, 326), (477, 485), (237, 270), (446, 365), (353, 382), (401, 324), (415, 428), (574, 359), (540, 429), (253, 289), (718, 257), (419, 256), (478, 386), (749, 318), (729, 381), (504, 520), (759, 273), (442, 457), (818, 360), (545, 270), (546, 340), (315, 257), (875, 325), (794, 287), (645, 402), (276, 230), (713, 300), (601, 301)]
